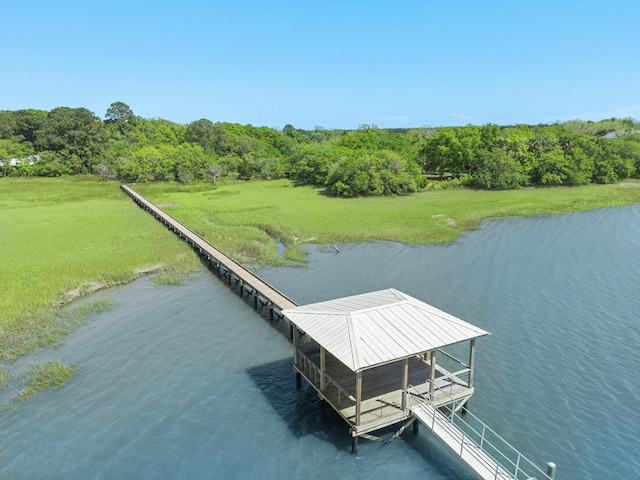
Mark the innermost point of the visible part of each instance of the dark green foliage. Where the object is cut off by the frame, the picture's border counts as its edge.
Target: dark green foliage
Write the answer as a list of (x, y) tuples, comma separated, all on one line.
[(365, 161), (204, 133), (381, 173), (75, 133), (312, 163), (119, 113), (546, 155), (120, 118), (496, 170), (21, 125)]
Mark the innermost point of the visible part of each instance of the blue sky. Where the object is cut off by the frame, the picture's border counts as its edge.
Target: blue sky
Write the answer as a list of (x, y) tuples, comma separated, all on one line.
[(336, 64)]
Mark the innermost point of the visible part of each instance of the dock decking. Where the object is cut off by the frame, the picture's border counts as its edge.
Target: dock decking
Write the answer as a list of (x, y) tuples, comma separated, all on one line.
[(470, 453), (382, 390)]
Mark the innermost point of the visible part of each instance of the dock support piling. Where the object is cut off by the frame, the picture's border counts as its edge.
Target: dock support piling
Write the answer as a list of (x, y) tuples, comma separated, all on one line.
[(354, 445), (551, 470), (298, 380)]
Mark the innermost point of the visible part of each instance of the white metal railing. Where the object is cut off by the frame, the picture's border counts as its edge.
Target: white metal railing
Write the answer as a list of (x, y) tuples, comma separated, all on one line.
[(457, 360), (473, 433)]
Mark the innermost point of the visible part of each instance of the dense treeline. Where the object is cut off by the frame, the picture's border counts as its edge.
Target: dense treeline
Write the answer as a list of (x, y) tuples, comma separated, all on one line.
[(366, 161), (561, 154)]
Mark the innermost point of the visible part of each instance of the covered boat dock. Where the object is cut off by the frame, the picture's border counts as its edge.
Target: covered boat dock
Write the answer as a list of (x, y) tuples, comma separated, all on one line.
[(367, 354)]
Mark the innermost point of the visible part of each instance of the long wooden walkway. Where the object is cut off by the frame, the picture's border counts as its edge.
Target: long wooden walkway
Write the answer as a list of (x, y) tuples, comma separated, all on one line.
[(248, 282)]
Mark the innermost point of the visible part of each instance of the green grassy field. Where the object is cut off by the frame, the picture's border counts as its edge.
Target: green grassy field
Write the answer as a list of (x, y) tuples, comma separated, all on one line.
[(60, 238), (247, 220)]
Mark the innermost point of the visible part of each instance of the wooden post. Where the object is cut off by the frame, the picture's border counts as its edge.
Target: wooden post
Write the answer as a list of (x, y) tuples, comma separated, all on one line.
[(416, 427), (323, 366), (298, 380), (402, 429), (358, 397), (354, 445), (472, 353), (405, 382)]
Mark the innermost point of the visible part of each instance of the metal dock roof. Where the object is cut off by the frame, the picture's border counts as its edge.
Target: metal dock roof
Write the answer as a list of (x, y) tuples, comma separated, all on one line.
[(375, 328)]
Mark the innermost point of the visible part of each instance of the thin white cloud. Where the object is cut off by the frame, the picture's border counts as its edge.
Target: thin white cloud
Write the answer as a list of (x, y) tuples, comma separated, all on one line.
[(461, 116)]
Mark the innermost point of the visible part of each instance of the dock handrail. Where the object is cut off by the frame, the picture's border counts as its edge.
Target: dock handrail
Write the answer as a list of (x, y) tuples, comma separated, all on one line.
[(511, 460), (302, 360), (447, 354)]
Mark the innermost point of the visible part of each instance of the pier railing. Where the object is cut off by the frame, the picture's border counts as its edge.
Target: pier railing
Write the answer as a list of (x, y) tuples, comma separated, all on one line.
[(473, 434), (323, 381)]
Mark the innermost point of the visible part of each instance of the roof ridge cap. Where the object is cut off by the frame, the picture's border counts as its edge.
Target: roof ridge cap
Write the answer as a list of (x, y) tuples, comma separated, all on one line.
[(352, 340)]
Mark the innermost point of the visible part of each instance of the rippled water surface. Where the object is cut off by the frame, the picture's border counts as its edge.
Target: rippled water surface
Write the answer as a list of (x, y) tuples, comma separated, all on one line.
[(189, 382)]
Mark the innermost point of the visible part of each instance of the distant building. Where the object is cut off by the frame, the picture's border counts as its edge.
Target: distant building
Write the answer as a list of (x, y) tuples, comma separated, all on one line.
[(14, 162)]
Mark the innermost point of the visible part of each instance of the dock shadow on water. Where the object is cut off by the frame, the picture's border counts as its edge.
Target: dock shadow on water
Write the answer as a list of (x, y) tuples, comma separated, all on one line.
[(304, 413), (300, 410)]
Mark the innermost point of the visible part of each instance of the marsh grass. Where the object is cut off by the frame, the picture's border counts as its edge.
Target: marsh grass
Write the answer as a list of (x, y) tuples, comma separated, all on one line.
[(42, 376), (248, 220), (62, 235), (4, 377), (170, 278), (46, 328)]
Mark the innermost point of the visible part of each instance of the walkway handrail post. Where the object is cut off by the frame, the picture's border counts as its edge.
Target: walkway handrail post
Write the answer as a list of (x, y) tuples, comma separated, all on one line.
[(551, 470), (419, 398)]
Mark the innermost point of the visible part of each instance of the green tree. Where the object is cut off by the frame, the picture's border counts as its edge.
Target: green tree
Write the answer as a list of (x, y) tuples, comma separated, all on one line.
[(204, 133), (497, 170), (380, 173), (312, 162), (76, 132), (119, 112), (158, 131), (120, 116), (452, 151)]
